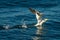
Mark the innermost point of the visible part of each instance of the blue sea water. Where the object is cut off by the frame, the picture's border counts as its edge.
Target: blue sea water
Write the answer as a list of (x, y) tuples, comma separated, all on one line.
[(12, 12)]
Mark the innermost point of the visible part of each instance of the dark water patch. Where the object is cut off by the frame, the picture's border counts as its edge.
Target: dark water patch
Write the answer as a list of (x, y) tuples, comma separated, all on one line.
[(46, 5), (55, 22), (9, 12), (57, 36), (29, 26), (53, 25), (51, 34), (28, 3)]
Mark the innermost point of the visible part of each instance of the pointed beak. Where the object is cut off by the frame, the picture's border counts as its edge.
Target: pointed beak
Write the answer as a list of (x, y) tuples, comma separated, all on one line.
[(32, 10), (35, 11)]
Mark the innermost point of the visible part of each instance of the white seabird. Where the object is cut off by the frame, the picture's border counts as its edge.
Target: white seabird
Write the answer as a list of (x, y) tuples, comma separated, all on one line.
[(38, 17)]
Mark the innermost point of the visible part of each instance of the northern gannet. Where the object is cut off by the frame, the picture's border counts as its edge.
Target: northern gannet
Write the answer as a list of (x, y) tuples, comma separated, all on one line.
[(38, 17)]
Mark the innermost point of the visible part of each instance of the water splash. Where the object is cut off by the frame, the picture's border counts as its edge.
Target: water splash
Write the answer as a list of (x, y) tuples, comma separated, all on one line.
[(24, 24), (5, 26)]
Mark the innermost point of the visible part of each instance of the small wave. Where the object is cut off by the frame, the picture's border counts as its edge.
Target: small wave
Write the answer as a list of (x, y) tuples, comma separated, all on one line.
[(55, 21), (2, 27), (27, 3)]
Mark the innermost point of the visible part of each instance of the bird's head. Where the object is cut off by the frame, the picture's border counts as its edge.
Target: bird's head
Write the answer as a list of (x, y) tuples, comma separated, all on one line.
[(35, 11), (32, 10)]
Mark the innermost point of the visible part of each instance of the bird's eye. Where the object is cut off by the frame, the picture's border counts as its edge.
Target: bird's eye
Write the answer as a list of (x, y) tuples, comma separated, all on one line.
[(38, 13)]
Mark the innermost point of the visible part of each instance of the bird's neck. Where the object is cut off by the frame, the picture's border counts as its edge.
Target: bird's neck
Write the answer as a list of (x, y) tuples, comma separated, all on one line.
[(37, 17)]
